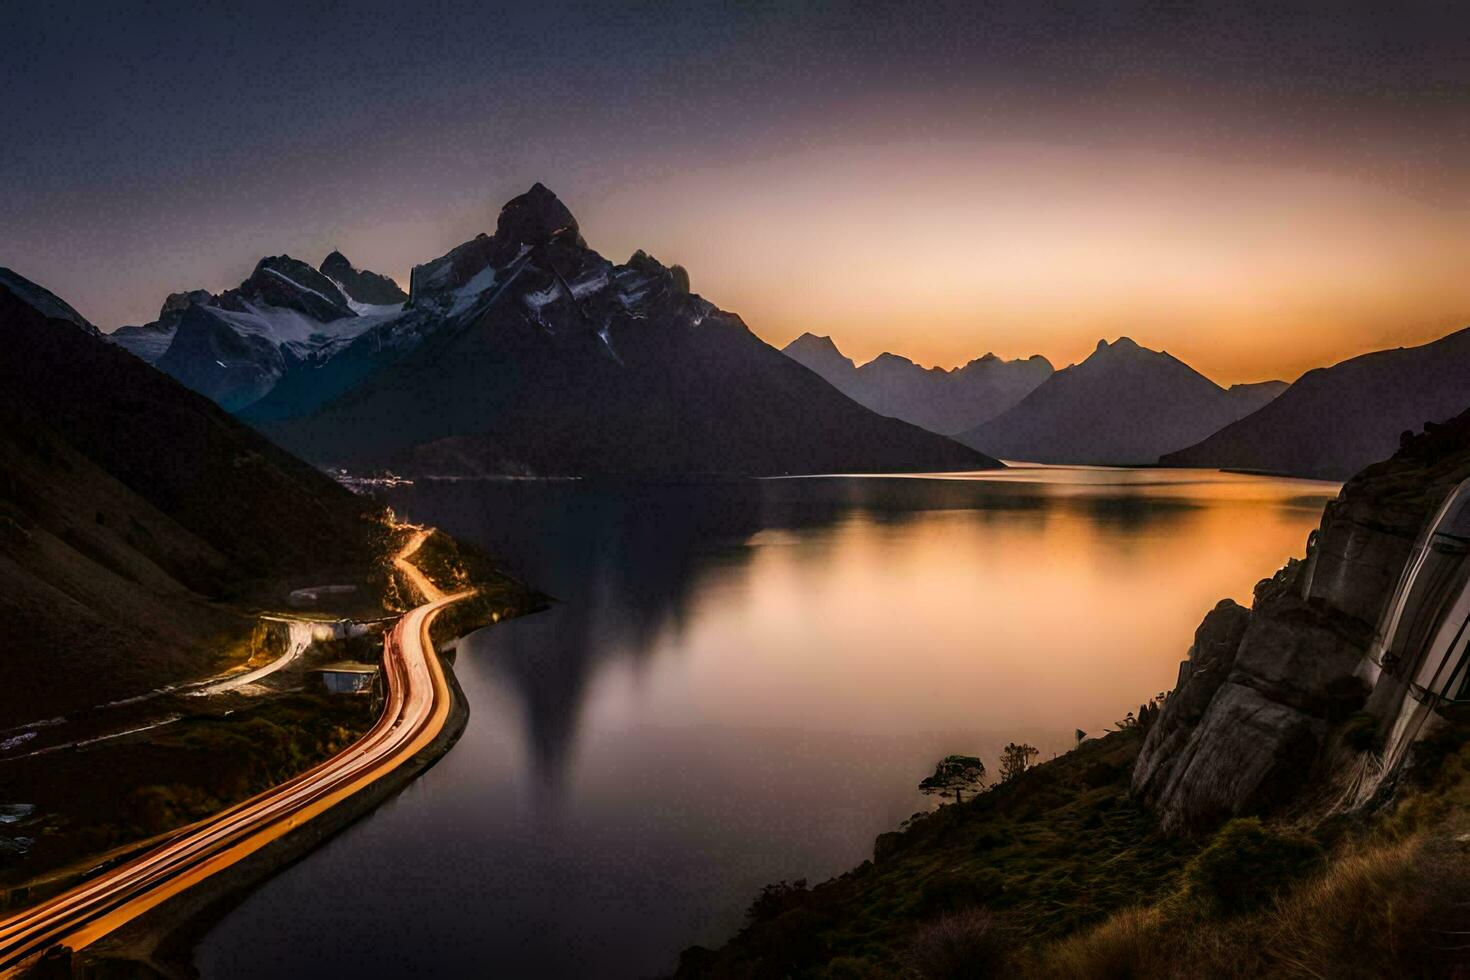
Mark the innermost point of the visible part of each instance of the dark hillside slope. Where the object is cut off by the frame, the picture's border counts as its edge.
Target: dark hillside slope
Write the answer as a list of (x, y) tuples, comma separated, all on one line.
[(129, 508)]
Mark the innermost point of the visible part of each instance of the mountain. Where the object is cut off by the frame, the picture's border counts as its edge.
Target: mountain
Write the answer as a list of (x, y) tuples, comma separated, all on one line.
[(1123, 404), (362, 287), (821, 355), (234, 347), (939, 400), (1333, 421), (526, 351), (1249, 397), (133, 513)]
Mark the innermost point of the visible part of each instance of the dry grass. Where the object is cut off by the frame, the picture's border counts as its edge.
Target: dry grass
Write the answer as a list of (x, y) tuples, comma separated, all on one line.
[(1388, 911), (1395, 909), (1125, 945), (960, 946)]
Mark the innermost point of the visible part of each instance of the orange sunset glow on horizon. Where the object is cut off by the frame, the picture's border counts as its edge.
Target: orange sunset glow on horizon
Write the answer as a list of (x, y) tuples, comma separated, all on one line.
[(1259, 195), (1246, 272)]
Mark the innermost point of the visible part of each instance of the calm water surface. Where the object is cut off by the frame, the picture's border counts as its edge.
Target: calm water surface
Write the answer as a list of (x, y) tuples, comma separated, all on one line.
[(742, 683)]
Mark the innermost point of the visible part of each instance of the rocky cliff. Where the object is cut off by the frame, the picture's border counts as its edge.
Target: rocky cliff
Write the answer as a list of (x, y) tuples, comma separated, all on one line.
[(1250, 725)]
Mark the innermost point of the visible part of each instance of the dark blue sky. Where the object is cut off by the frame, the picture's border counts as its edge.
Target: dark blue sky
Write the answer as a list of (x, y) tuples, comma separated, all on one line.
[(151, 147)]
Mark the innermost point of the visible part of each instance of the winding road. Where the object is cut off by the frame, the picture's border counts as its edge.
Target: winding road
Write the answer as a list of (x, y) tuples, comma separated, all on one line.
[(416, 707)]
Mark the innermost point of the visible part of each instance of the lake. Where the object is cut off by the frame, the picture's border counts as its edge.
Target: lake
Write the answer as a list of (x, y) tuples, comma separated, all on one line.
[(744, 682)]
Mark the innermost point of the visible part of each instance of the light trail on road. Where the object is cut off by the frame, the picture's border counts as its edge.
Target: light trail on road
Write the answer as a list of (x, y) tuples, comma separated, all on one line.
[(416, 707)]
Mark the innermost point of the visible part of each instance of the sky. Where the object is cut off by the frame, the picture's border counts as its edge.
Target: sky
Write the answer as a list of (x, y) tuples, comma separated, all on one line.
[(1258, 188)]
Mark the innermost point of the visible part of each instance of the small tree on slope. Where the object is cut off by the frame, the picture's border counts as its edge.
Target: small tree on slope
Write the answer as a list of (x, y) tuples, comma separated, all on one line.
[(1016, 759), (954, 776)]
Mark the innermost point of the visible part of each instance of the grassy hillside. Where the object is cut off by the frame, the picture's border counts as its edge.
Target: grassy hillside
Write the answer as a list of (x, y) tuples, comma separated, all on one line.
[(1058, 848), (1059, 874), (137, 519)]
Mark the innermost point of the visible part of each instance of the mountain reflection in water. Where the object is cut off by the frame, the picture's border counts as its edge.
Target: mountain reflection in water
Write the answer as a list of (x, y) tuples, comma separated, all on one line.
[(744, 681)]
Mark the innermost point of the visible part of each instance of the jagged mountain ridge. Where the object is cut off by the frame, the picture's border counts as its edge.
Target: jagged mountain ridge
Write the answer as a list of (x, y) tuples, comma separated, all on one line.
[(233, 348), (1335, 420), (362, 287), (943, 401), (1124, 404), (526, 351)]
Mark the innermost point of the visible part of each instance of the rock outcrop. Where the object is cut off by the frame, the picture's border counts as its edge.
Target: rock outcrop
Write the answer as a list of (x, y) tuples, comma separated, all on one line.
[(361, 285), (1246, 727)]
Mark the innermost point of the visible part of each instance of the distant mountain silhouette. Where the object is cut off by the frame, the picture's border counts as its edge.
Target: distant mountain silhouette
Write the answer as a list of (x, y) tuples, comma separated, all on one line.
[(129, 507), (1249, 397), (1124, 404), (944, 401), (527, 352), (1336, 420)]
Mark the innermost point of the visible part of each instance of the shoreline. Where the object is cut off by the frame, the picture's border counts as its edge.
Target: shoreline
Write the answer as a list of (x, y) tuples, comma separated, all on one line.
[(162, 942)]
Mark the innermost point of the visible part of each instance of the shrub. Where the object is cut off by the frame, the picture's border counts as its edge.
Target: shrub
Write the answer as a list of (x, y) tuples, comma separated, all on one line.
[(950, 892), (789, 943), (961, 945), (776, 899), (1248, 864), (1101, 774), (159, 808), (852, 968)]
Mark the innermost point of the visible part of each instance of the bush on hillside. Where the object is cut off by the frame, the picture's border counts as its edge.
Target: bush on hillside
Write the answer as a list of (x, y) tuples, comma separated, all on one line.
[(1248, 864), (962, 945)]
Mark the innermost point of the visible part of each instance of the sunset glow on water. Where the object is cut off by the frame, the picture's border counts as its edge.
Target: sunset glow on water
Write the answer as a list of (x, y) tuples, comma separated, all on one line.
[(727, 662)]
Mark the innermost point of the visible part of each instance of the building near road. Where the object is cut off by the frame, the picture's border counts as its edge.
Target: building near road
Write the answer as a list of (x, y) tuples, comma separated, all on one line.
[(348, 677), (313, 595)]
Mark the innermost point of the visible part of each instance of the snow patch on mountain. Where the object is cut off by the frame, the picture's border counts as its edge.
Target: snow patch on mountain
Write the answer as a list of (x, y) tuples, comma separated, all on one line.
[(305, 289), (465, 296), (587, 287), (543, 297), (144, 342), (605, 335)]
